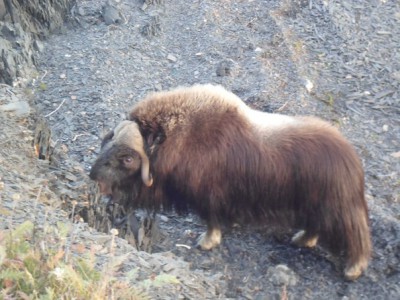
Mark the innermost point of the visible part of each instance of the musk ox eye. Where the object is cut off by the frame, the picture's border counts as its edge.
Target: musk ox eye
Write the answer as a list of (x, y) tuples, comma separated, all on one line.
[(128, 160)]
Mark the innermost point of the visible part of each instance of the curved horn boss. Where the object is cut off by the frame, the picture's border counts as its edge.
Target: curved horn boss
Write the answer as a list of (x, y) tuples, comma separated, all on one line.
[(210, 153), (128, 133)]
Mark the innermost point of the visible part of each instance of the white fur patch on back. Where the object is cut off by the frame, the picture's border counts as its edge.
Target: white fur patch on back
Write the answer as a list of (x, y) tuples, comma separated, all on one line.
[(219, 92), (261, 120), (268, 121)]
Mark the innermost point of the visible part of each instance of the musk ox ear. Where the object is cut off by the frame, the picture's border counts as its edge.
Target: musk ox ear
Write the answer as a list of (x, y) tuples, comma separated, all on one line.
[(152, 132), (107, 138), (153, 140), (127, 133)]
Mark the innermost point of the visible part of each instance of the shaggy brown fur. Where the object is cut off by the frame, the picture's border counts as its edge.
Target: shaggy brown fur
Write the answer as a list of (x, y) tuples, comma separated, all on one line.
[(212, 154)]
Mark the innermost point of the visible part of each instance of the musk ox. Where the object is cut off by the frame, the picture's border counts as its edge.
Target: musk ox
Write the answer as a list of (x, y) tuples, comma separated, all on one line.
[(203, 149)]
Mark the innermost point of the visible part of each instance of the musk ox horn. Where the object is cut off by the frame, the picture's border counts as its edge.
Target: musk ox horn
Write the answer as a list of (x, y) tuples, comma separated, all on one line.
[(127, 132)]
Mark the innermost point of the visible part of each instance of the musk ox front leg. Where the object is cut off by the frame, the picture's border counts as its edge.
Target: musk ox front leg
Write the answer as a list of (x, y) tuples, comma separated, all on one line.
[(210, 238), (305, 239)]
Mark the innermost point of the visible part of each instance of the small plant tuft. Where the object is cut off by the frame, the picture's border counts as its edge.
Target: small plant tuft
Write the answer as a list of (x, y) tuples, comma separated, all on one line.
[(42, 86), (29, 273)]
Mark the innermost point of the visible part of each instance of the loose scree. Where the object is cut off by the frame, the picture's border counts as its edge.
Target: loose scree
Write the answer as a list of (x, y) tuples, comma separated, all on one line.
[(202, 149)]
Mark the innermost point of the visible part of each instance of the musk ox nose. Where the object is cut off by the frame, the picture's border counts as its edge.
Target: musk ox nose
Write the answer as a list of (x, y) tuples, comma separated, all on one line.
[(104, 185), (92, 174)]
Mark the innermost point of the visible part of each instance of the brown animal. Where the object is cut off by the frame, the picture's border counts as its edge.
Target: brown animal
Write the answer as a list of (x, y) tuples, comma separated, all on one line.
[(202, 149)]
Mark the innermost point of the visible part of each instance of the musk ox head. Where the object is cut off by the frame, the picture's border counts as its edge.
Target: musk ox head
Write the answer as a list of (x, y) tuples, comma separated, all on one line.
[(122, 159)]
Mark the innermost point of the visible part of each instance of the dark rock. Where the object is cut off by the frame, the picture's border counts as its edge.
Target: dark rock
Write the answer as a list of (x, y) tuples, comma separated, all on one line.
[(153, 2), (20, 108), (111, 15), (22, 23), (3, 10), (281, 275), (224, 68), (38, 46), (80, 11), (41, 142), (152, 28)]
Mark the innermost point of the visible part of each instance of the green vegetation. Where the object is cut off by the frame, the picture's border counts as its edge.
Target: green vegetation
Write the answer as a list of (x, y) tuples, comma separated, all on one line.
[(42, 86), (32, 269)]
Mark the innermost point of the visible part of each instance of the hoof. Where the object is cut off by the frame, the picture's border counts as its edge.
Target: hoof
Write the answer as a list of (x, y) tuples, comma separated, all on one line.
[(354, 271), (302, 239), (209, 239)]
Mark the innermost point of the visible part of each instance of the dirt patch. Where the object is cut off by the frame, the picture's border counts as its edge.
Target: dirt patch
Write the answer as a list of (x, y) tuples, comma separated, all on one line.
[(336, 61)]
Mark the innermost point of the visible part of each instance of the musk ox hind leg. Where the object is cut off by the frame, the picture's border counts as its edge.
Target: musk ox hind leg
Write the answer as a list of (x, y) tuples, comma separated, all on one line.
[(358, 246), (211, 238), (354, 270)]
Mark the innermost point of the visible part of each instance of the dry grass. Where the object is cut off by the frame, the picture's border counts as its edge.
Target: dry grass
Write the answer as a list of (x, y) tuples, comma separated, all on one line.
[(36, 263)]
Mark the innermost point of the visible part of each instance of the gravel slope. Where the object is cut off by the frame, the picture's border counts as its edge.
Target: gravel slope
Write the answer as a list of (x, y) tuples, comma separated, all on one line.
[(337, 60)]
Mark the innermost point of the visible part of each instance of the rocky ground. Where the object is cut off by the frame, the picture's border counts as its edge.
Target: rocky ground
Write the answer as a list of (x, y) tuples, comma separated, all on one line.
[(339, 60), (23, 24)]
